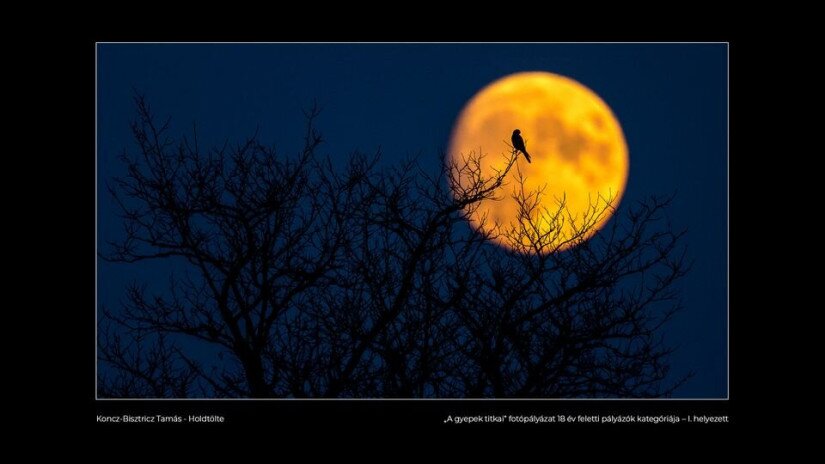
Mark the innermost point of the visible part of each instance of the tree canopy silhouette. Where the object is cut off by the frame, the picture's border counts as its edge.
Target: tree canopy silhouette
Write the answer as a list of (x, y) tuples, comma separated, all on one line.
[(309, 279)]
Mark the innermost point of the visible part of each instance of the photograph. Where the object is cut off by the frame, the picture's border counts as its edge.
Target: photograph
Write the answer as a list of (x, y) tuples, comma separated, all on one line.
[(421, 225)]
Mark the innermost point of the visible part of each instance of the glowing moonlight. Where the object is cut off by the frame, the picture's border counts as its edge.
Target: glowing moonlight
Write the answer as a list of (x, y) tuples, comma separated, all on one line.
[(577, 147)]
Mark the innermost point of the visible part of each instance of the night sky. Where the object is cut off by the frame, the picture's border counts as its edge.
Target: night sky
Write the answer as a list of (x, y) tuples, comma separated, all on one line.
[(671, 100)]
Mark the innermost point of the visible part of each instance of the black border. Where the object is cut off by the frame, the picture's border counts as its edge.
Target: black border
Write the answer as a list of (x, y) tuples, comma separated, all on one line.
[(385, 414)]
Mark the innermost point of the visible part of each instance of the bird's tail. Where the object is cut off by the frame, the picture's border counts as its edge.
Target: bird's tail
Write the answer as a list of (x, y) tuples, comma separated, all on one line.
[(527, 156)]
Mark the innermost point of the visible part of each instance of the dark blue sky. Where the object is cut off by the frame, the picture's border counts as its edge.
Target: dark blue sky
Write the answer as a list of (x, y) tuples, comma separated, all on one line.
[(671, 100)]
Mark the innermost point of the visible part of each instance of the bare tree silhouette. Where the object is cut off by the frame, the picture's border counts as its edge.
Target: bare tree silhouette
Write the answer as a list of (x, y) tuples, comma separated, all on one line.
[(314, 280)]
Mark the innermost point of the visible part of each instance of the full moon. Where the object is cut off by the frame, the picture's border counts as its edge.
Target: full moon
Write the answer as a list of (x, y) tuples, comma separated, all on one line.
[(577, 148)]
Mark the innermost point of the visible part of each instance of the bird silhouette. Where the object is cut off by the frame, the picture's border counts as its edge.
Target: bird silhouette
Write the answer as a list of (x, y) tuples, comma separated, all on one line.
[(518, 144)]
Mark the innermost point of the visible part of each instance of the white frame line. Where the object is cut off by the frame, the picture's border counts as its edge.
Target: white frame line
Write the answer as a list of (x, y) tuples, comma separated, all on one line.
[(727, 232)]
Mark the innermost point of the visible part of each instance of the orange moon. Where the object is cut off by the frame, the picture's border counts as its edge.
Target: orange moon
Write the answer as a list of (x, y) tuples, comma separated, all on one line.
[(577, 147)]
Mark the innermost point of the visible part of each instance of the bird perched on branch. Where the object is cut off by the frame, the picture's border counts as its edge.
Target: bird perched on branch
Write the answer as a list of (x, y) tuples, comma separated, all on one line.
[(518, 144)]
